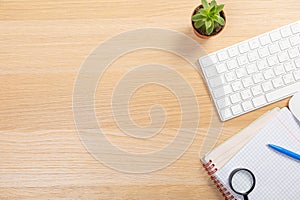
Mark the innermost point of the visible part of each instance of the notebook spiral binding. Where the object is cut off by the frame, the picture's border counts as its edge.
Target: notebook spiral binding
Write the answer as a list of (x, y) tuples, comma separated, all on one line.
[(211, 169)]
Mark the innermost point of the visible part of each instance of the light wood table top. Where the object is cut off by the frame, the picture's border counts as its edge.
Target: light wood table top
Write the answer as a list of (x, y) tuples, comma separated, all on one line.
[(42, 47)]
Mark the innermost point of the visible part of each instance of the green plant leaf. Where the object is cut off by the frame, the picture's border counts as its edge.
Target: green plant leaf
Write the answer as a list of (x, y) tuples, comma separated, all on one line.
[(210, 30), (219, 8), (208, 24), (213, 10), (220, 20), (217, 25), (214, 18), (202, 12), (213, 3), (208, 11), (205, 4), (196, 17), (199, 24)]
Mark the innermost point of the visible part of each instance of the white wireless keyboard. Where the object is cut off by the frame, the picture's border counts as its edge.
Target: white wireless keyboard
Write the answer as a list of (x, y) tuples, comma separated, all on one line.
[(255, 72)]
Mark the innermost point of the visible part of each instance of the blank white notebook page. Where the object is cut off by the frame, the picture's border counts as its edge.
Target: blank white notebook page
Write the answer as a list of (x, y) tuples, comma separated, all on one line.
[(277, 176)]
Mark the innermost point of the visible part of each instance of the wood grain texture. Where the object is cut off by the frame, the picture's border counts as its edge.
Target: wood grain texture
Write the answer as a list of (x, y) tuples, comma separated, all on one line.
[(42, 46)]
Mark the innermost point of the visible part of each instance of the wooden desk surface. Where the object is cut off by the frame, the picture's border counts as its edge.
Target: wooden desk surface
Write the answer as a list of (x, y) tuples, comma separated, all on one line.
[(42, 47)]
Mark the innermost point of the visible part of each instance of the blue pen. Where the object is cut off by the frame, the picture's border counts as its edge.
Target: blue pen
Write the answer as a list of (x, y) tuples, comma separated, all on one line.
[(285, 151)]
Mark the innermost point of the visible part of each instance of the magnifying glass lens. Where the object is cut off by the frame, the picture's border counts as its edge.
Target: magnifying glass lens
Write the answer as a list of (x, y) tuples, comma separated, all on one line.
[(242, 181)]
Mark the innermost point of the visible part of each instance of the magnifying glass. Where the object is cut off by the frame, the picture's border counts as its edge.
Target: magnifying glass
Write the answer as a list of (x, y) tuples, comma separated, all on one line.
[(242, 181)]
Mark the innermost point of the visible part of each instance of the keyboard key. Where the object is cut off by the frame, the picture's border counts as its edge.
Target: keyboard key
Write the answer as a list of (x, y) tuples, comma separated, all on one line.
[(221, 68), (227, 89), (274, 48), (217, 81), (210, 71), (262, 64), (247, 82), (258, 78), (284, 44), (224, 102), (275, 35), (259, 101), (252, 68), (222, 56), (244, 47), (289, 66), (253, 56), (237, 86), (232, 64), (267, 86), (242, 60), (241, 72), (272, 60), (235, 98), (222, 91), (295, 40), (209, 60), (283, 92), (256, 90), (294, 52), (295, 27), (246, 94), (226, 113), (233, 51), (247, 105), (286, 31), (278, 70), (264, 39), (297, 75), (288, 79), (230, 76), (263, 52), (254, 43), (237, 109), (277, 82), (268, 74), (283, 56), (297, 62)]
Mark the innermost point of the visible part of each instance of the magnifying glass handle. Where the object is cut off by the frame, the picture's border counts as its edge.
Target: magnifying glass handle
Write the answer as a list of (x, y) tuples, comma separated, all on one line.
[(245, 197)]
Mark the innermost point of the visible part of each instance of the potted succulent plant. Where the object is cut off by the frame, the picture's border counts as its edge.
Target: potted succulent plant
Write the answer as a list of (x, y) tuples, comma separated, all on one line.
[(208, 19)]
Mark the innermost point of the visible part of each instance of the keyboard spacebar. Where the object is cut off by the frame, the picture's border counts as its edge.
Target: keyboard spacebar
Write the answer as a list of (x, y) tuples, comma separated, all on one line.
[(283, 92)]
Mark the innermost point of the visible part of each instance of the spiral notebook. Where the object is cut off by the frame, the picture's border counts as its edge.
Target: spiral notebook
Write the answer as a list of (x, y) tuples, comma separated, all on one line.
[(277, 176)]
